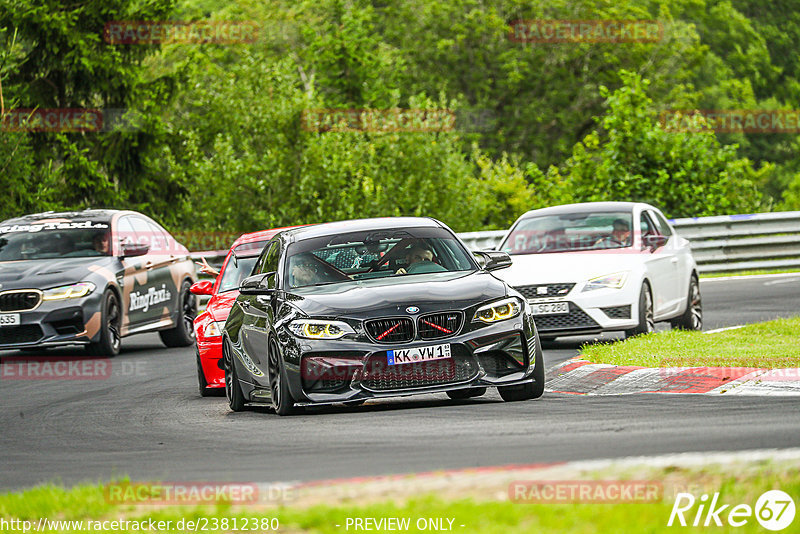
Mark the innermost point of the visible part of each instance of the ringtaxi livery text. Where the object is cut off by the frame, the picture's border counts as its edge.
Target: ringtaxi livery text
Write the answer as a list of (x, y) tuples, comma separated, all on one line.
[(386, 524)]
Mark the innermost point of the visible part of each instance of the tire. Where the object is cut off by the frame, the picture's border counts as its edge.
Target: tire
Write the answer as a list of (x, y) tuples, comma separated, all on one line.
[(183, 333), (202, 384), (647, 322), (233, 389), (531, 390), (460, 394), (282, 401), (110, 321), (692, 318)]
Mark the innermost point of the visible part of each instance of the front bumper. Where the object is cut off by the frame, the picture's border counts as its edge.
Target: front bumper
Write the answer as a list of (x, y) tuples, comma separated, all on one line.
[(210, 350), (55, 323), (590, 312), (347, 370)]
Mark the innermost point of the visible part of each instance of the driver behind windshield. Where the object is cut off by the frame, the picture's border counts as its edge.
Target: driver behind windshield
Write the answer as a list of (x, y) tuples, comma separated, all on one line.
[(416, 254), (619, 237)]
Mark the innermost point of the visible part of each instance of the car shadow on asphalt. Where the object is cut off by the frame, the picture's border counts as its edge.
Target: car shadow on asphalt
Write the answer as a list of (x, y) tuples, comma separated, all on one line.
[(377, 406)]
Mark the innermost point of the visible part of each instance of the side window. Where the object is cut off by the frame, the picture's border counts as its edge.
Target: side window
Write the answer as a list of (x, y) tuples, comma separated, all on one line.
[(158, 241), (144, 235), (262, 265), (271, 259), (125, 233), (661, 223), (646, 226)]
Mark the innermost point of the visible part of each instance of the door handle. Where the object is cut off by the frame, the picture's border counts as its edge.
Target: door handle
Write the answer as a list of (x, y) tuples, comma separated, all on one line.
[(148, 265), (674, 260)]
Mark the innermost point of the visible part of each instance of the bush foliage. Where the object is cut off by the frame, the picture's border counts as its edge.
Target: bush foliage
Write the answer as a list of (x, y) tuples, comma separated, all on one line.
[(213, 138)]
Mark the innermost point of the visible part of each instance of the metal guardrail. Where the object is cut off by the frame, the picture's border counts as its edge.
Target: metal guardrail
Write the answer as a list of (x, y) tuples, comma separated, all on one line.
[(724, 243), (743, 242)]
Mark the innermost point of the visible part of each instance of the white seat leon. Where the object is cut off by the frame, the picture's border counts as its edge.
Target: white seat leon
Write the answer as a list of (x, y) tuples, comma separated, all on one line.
[(602, 266)]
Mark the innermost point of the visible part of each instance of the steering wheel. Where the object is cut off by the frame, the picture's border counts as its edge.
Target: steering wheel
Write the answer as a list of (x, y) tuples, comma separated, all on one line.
[(425, 267)]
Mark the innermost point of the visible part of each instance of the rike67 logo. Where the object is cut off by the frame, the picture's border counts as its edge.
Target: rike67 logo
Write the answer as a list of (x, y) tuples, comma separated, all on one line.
[(774, 510)]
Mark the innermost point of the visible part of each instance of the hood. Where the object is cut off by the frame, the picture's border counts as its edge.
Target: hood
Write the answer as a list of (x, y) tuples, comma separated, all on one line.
[(392, 295), (219, 307), (567, 267), (44, 274)]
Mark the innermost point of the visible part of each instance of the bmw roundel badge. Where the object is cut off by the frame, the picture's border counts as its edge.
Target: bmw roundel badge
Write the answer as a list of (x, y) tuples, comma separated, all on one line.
[(412, 309)]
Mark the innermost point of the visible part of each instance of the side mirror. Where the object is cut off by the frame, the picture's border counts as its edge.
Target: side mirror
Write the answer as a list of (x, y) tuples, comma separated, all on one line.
[(655, 242), (492, 260), (132, 250), (257, 285), (203, 287)]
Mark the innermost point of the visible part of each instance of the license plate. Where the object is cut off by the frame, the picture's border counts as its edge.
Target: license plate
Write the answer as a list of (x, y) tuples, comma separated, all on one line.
[(9, 319), (550, 308), (418, 354)]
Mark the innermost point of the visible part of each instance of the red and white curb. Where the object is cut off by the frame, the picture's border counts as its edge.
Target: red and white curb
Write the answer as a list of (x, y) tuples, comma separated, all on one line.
[(581, 377)]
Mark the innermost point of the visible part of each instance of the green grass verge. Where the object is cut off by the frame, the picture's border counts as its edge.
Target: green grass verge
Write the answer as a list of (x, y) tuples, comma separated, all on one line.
[(749, 273), (741, 483), (772, 344)]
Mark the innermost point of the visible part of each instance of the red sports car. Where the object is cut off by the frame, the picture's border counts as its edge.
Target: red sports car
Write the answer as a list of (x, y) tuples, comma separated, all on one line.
[(208, 325)]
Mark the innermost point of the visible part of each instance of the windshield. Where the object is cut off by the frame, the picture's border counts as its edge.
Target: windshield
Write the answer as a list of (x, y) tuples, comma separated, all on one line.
[(35, 242), (570, 232), (240, 265), (375, 254)]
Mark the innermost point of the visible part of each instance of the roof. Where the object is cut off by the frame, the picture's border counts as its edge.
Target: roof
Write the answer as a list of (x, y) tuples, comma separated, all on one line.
[(261, 235), (360, 225), (584, 207), (101, 214)]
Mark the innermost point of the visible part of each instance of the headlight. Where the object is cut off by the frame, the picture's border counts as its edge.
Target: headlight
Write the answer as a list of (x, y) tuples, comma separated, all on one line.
[(73, 291), (498, 311), (613, 281), (320, 329), (213, 329)]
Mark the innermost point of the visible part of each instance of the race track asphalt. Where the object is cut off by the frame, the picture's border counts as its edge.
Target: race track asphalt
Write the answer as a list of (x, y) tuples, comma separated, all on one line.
[(146, 421)]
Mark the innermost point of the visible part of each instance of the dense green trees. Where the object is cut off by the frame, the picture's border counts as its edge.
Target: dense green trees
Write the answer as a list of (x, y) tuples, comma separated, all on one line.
[(213, 137)]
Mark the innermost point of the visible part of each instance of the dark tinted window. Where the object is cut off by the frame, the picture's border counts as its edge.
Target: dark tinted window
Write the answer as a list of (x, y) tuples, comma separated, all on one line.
[(74, 239)]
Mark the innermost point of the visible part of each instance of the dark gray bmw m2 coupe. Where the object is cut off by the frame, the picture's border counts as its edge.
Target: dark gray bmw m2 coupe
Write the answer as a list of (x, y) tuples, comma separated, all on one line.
[(353, 310)]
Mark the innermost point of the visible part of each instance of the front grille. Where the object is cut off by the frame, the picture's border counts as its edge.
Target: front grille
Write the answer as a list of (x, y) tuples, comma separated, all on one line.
[(378, 375), (26, 333), (553, 290), (576, 318), (439, 325), (618, 312), (15, 301), (391, 330)]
